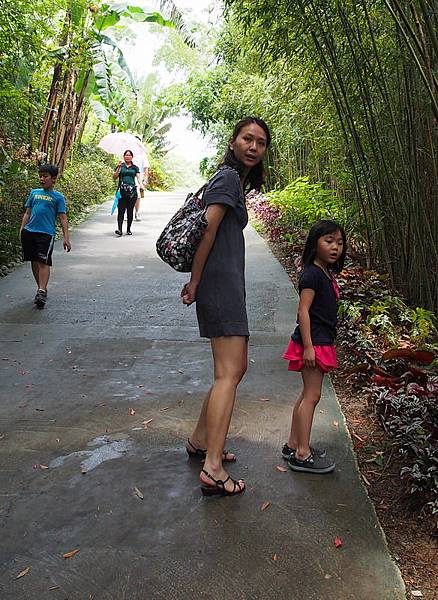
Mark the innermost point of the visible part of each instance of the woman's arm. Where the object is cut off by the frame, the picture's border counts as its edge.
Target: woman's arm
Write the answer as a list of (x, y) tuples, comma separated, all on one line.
[(214, 215), (117, 171), (306, 298)]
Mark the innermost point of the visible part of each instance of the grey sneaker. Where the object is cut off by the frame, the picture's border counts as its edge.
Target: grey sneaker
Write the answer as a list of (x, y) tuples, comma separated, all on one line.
[(312, 464), (287, 452), (40, 298), (137, 217)]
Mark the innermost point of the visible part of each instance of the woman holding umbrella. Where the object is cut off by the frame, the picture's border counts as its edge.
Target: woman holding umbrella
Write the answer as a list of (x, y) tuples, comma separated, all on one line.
[(127, 173)]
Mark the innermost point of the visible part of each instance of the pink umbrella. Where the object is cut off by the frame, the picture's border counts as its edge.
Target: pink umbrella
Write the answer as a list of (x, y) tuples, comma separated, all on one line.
[(118, 142)]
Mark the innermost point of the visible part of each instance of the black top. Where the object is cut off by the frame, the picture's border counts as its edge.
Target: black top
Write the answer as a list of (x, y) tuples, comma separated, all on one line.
[(220, 297), (324, 309)]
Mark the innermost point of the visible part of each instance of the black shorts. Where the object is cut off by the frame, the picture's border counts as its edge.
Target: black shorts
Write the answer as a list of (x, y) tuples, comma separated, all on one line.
[(37, 246)]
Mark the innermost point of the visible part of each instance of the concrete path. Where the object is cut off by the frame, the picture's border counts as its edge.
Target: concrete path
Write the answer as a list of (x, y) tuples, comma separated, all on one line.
[(115, 339)]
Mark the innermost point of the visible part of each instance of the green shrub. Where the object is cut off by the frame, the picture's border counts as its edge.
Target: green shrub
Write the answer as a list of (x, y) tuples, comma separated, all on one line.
[(301, 203)]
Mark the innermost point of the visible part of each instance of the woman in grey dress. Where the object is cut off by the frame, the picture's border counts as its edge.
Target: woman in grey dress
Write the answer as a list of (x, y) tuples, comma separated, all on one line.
[(217, 285)]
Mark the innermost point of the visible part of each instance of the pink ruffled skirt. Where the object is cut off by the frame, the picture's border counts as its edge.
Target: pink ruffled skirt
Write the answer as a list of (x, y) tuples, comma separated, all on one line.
[(325, 357)]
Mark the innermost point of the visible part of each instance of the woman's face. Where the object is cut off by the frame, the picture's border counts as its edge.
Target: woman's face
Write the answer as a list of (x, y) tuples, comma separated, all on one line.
[(127, 157), (250, 145)]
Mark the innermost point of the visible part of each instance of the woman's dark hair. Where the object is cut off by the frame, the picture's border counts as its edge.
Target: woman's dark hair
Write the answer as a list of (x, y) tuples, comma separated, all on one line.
[(254, 179), (319, 229), (130, 151)]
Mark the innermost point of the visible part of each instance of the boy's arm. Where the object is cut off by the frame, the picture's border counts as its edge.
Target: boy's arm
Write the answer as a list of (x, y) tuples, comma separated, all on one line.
[(64, 225), (25, 219)]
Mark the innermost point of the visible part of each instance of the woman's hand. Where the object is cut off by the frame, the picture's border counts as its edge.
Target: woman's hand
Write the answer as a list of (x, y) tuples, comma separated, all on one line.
[(188, 293), (309, 356)]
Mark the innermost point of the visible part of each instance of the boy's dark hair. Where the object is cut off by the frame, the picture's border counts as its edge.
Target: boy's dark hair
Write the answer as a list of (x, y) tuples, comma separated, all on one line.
[(254, 180), (319, 229), (51, 170)]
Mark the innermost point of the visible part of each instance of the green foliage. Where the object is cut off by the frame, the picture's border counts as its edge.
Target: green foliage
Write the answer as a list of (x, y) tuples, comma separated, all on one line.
[(86, 182), (159, 178), (301, 203), (411, 420)]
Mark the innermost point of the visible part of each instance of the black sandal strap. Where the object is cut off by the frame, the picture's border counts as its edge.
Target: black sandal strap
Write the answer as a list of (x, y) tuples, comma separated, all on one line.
[(196, 451)]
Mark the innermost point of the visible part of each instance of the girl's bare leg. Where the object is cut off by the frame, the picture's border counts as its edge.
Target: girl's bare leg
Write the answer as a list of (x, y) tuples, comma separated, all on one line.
[(292, 442), (230, 363), (312, 380)]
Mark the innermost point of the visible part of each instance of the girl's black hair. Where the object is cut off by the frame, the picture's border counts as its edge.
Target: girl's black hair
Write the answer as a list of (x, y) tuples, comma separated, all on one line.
[(132, 153), (319, 229), (255, 177)]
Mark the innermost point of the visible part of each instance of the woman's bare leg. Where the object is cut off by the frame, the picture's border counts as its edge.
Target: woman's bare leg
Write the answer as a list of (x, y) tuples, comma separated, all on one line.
[(199, 435), (230, 363)]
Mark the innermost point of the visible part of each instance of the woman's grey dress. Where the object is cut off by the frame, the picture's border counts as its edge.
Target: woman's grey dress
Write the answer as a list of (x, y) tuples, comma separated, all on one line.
[(220, 297)]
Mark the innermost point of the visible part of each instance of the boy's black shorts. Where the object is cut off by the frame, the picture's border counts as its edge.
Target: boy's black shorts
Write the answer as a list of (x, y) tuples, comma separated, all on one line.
[(37, 246)]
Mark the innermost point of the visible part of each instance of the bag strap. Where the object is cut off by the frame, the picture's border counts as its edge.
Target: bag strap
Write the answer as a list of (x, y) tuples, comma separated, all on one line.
[(221, 168)]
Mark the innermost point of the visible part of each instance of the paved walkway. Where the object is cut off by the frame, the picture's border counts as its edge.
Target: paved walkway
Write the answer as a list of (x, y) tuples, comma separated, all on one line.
[(115, 339)]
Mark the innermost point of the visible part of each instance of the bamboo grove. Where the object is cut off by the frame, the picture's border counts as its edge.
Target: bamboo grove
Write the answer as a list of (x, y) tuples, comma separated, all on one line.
[(358, 78)]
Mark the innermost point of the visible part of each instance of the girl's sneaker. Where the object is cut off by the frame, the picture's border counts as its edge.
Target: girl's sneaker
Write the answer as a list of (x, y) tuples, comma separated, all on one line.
[(287, 452), (312, 464)]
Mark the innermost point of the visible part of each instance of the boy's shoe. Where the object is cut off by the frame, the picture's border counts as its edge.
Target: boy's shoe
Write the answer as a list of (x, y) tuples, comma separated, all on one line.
[(118, 232), (129, 233), (312, 464), (287, 452), (40, 298)]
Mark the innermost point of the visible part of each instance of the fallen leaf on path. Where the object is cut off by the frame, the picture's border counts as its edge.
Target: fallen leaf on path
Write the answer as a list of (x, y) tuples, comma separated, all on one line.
[(274, 557), (23, 573), (366, 481), (181, 371), (327, 576), (417, 593), (252, 360), (264, 399), (335, 424), (39, 466), (138, 493), (338, 542), (281, 469), (55, 587), (164, 408), (141, 385), (84, 471), (265, 505), (40, 409), (2, 436), (131, 411), (70, 554), (146, 423), (357, 437)]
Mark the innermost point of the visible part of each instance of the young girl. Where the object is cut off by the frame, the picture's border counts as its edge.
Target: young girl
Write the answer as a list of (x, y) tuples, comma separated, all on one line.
[(311, 349)]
